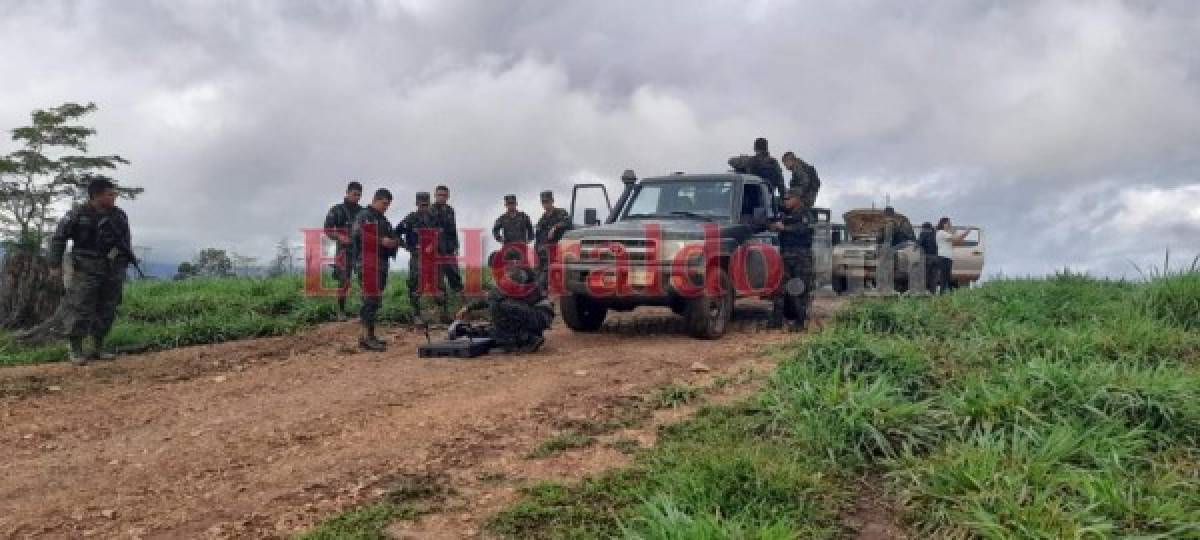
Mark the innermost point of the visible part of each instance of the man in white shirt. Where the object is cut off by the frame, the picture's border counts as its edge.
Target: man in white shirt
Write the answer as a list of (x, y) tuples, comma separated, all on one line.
[(946, 240)]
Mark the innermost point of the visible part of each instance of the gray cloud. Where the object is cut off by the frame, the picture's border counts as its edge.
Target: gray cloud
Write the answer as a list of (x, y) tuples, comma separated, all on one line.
[(1066, 129)]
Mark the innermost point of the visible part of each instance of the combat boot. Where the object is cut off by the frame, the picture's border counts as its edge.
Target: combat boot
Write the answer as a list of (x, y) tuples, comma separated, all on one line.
[(75, 352), (372, 344), (98, 351)]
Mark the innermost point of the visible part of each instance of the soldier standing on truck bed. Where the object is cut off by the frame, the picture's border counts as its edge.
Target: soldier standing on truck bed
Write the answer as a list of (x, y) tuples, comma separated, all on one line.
[(513, 228), (375, 243), (447, 246), (804, 178), (550, 228), (414, 222), (795, 244), (100, 253), (337, 227)]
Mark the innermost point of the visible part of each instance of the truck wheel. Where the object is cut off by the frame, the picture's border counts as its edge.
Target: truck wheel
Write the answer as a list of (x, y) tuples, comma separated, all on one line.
[(706, 317), (582, 314)]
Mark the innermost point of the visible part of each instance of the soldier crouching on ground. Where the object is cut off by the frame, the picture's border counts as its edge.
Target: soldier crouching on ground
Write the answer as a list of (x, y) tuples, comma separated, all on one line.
[(100, 253), (375, 244), (337, 227), (795, 244), (519, 312)]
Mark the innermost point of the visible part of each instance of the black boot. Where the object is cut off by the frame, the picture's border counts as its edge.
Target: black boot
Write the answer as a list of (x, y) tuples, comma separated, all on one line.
[(369, 342), (98, 352), (75, 351)]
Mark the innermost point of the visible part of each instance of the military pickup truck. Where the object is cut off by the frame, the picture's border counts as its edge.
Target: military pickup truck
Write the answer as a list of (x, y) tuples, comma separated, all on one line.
[(651, 249), (667, 236)]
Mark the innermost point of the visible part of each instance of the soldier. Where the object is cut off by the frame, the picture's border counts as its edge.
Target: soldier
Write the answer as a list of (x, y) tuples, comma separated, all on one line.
[(804, 178), (375, 244), (795, 244), (100, 252), (550, 228), (447, 245), (513, 227), (421, 218), (337, 227), (518, 320), (764, 166)]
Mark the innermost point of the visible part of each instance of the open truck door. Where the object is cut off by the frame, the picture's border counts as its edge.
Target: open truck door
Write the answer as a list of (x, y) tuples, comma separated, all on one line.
[(587, 203)]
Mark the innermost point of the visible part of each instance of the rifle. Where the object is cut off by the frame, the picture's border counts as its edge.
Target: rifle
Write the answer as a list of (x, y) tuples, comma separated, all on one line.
[(123, 246)]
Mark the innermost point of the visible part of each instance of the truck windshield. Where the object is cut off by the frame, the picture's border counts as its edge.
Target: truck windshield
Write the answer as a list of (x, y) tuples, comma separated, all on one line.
[(707, 200)]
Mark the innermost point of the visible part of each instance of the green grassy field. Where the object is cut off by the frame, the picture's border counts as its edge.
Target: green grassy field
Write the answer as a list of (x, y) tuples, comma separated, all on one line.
[(160, 315), (1058, 408)]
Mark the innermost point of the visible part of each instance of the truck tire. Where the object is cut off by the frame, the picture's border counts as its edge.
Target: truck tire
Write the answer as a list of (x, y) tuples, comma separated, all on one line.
[(706, 317), (582, 314)]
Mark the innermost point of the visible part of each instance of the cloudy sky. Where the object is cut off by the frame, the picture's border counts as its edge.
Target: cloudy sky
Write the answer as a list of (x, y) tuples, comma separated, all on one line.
[(1068, 130)]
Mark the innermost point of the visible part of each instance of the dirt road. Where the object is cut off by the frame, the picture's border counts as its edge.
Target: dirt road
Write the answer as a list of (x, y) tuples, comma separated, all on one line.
[(267, 437)]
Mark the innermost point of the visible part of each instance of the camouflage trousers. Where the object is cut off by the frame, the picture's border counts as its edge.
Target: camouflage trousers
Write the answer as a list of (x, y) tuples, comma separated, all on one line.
[(796, 265), (517, 325), (372, 296), (94, 294)]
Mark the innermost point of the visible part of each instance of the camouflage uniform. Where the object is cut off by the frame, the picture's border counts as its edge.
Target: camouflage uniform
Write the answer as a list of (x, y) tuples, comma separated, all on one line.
[(361, 237), (339, 219), (513, 228), (795, 245), (443, 215), (412, 225), (805, 179), (100, 254), (544, 239), (517, 323)]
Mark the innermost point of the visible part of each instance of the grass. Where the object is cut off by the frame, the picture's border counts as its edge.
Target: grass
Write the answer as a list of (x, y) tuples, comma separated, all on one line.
[(1066, 407), (158, 315), (560, 443)]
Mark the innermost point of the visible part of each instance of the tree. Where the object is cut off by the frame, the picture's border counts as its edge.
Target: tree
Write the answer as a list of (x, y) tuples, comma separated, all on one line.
[(284, 261), (212, 262), (184, 271), (48, 170)]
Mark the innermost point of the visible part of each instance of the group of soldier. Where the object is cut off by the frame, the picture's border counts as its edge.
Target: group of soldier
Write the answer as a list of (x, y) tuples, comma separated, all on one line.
[(354, 228), (794, 225), (102, 251)]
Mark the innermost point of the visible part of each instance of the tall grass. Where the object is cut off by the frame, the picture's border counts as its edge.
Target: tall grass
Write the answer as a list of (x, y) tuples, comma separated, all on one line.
[(1066, 407), (157, 315)]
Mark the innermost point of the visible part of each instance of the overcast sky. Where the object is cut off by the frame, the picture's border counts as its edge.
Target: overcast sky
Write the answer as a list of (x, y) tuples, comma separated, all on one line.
[(1068, 130)]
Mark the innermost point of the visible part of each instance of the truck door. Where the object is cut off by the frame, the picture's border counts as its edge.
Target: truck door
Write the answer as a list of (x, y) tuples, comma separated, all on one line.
[(968, 256), (590, 205)]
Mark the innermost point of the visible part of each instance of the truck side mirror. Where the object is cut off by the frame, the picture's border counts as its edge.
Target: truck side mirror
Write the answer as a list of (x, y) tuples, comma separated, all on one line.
[(589, 217)]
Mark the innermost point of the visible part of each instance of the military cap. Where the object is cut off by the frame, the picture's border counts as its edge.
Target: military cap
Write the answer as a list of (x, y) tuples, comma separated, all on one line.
[(547, 196), (794, 192), (422, 197), (383, 193), (354, 186), (510, 199)]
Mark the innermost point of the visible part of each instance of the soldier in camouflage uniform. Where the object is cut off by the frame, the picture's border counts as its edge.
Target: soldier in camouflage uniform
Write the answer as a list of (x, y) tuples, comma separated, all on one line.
[(337, 227), (513, 228), (518, 317), (100, 253), (375, 244), (804, 178), (421, 218), (795, 244), (550, 228), (448, 246)]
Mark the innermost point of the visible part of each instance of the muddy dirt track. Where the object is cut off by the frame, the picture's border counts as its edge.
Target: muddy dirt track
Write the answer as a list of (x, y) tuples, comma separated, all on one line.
[(264, 438)]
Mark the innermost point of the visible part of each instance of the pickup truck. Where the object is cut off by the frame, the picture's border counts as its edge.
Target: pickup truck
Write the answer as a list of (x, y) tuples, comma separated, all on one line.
[(670, 235)]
